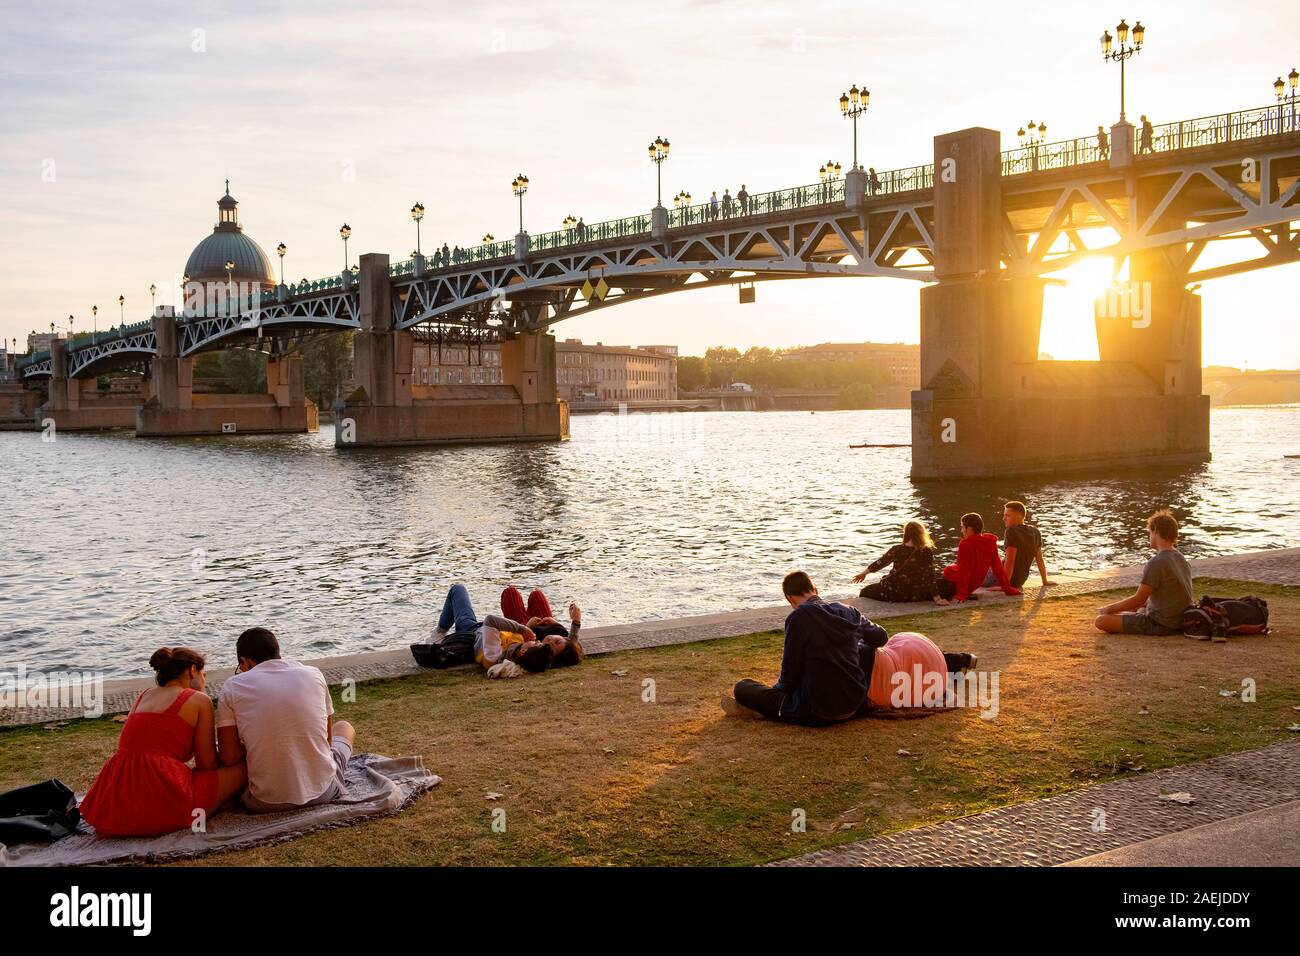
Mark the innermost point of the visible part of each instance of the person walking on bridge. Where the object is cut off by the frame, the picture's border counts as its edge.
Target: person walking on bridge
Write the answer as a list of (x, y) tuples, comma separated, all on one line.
[(726, 202), (1148, 135), (1103, 143), (873, 181), (742, 197), (713, 205)]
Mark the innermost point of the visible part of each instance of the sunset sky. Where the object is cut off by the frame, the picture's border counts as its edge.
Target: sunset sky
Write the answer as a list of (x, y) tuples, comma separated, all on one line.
[(321, 113)]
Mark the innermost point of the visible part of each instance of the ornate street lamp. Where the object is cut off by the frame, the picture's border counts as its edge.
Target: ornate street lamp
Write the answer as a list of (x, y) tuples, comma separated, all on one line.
[(682, 199), (1123, 52), (488, 237), (1279, 89), (345, 231), (230, 268), (70, 324), (153, 298), (658, 156), (121, 309), (417, 213), (280, 250), (520, 186), (94, 316), (1035, 136), (852, 105)]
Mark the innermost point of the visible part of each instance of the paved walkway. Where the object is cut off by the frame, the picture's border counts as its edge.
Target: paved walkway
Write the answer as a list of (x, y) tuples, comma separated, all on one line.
[(1243, 812), (1280, 566)]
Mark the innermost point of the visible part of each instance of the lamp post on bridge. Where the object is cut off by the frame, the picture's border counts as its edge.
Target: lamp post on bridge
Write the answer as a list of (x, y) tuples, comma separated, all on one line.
[(280, 250), (519, 186), (121, 310), (94, 319), (230, 268), (826, 175), (1031, 140), (852, 105), (682, 202), (1279, 89), (659, 155), (1122, 53), (345, 232), (153, 298), (417, 213)]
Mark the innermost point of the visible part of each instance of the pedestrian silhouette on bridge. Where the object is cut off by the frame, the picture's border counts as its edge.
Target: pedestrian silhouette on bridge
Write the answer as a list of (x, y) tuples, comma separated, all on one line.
[(581, 229), (726, 201), (1103, 143), (1148, 133), (713, 205), (743, 198), (873, 180), (446, 254)]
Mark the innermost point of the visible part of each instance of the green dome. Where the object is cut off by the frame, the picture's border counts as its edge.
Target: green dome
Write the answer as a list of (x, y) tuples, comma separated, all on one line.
[(228, 243)]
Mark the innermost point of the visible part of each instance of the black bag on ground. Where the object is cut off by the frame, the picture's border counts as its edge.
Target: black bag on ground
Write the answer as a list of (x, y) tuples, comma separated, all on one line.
[(454, 650), (1226, 617), (41, 813)]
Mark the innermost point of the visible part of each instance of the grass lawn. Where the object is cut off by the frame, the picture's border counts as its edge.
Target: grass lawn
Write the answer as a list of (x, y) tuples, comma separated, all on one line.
[(589, 772)]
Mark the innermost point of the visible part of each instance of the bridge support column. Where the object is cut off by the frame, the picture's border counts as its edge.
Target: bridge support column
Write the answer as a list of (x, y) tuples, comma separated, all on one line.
[(173, 409), (74, 404), (386, 408), (987, 406)]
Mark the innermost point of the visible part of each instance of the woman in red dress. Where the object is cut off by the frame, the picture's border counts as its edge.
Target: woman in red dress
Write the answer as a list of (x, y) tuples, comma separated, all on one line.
[(147, 788)]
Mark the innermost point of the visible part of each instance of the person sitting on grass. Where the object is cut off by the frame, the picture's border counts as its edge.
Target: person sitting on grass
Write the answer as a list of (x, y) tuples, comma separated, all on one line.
[(835, 658), (279, 715), (493, 636), (912, 576), (977, 554), (1022, 548), (566, 649), (1165, 591), (146, 787), (821, 679)]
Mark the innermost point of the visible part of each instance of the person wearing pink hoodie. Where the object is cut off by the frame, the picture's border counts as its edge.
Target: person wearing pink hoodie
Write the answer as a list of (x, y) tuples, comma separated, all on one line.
[(977, 555)]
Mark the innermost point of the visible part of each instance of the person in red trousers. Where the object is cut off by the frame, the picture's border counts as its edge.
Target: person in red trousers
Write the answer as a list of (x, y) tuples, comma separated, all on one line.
[(977, 555)]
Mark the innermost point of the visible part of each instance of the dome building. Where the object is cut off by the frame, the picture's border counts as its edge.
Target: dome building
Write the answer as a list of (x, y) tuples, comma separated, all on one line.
[(228, 243)]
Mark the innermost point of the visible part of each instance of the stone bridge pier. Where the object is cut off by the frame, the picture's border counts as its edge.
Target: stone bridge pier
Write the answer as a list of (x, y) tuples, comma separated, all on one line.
[(386, 407), (173, 409), (987, 406), (76, 404)]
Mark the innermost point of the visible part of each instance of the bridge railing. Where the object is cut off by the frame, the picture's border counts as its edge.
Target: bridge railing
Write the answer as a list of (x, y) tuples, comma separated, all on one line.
[(596, 232), (1224, 128), (1066, 152)]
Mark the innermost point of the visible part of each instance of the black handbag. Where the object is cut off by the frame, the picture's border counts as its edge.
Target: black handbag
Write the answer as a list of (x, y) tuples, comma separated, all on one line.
[(41, 813), (454, 650)]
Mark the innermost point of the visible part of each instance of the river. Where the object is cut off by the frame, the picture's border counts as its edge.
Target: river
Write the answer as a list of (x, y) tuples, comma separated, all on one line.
[(114, 545)]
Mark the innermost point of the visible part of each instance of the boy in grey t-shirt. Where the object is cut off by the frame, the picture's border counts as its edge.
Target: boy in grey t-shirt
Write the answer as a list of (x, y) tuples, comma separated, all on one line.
[(1165, 591)]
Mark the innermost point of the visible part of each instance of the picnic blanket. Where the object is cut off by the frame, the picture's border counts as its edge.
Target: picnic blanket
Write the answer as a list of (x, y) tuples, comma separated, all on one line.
[(376, 786)]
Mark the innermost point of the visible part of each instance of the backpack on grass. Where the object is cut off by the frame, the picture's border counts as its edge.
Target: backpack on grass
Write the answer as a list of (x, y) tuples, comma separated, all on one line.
[(454, 650), (1226, 617), (41, 813)]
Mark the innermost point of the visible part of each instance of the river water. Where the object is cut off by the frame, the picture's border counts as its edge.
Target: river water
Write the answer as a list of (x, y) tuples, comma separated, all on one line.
[(113, 545)]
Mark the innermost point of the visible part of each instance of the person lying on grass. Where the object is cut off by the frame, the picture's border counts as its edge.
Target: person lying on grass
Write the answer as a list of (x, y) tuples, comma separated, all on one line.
[(1165, 591), (836, 664), (566, 649), (493, 636)]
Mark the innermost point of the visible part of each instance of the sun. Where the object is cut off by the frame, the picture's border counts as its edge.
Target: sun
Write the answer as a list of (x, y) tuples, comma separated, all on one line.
[(1068, 331)]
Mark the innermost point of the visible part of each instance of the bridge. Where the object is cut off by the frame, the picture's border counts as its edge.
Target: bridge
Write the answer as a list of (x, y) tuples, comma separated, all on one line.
[(983, 228)]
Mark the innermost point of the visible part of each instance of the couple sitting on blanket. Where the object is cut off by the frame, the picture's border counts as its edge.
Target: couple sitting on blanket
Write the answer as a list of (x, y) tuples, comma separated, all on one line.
[(523, 638), (273, 742), (837, 664)]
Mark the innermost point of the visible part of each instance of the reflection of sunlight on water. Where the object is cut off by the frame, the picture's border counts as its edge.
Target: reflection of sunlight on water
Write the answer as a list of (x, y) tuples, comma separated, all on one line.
[(638, 517)]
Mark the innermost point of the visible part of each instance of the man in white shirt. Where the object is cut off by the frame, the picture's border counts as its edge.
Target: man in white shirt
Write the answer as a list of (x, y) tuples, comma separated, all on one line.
[(277, 715)]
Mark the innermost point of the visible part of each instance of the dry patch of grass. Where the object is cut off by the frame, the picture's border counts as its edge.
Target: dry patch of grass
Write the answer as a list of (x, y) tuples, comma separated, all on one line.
[(589, 772)]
